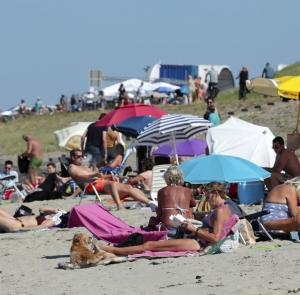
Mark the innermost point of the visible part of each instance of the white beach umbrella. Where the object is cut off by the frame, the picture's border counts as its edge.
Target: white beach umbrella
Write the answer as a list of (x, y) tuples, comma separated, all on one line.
[(70, 137), (170, 128)]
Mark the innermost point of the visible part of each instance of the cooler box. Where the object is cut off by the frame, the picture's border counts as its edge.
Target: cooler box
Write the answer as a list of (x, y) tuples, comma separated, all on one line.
[(251, 192)]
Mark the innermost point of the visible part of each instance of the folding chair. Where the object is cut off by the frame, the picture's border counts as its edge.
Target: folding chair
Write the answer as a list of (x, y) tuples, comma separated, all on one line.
[(158, 180), (8, 183), (256, 224), (64, 163)]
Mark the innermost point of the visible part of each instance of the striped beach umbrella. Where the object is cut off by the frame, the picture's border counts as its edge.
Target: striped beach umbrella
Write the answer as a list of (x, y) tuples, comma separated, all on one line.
[(170, 128)]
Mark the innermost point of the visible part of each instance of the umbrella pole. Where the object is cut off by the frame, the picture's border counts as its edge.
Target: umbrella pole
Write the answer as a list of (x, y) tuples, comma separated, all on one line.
[(174, 148)]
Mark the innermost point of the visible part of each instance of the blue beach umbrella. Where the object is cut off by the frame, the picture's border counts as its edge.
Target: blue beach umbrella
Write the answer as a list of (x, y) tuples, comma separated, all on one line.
[(221, 168), (134, 125)]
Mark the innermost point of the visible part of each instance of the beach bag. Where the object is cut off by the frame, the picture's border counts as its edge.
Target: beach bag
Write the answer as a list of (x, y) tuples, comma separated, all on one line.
[(23, 164), (246, 232), (293, 140), (226, 245)]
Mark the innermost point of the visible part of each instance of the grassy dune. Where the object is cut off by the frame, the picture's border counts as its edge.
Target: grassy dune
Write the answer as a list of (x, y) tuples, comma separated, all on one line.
[(280, 117)]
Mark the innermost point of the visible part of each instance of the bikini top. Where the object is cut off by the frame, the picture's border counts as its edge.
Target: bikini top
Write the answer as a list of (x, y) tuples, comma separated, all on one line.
[(178, 208)]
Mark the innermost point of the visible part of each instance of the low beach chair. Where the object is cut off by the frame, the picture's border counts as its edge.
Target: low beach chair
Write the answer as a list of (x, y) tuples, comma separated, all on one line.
[(158, 180)]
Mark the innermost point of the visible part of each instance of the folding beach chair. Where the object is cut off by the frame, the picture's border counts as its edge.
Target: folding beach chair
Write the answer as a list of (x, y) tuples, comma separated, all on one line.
[(158, 180), (64, 162), (7, 182)]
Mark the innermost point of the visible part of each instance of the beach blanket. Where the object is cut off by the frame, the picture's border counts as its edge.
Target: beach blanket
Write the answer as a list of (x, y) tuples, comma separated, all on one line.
[(105, 226)]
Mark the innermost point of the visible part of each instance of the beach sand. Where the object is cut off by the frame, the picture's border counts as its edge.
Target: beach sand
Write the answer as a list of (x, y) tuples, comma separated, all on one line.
[(29, 259)]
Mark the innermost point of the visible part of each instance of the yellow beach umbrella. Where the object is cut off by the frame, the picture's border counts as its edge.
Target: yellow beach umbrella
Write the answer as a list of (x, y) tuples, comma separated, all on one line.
[(289, 87)]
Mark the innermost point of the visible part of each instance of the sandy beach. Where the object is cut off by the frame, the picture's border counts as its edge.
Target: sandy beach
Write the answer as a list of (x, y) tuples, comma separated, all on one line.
[(29, 259)]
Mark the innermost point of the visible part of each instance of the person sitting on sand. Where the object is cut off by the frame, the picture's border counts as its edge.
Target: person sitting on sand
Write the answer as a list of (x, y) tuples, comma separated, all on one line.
[(85, 175), (217, 226), (115, 159), (286, 161), (173, 199), (48, 217), (282, 203)]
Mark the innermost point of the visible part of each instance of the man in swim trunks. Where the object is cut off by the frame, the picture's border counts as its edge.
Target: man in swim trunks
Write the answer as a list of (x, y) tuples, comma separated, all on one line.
[(286, 161), (281, 202), (35, 152), (84, 175)]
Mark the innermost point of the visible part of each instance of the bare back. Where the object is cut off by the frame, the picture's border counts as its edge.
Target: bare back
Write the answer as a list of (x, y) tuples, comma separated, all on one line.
[(288, 162), (174, 200), (34, 148)]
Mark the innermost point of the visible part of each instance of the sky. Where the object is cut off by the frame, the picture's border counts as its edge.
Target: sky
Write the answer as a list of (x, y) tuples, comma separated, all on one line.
[(48, 47)]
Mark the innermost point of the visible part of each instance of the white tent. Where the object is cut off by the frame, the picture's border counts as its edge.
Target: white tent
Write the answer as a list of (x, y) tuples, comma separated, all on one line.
[(130, 85), (165, 85), (236, 137), (70, 137)]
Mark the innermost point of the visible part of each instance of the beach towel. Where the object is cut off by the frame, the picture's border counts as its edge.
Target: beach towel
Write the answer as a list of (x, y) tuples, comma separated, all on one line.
[(105, 226)]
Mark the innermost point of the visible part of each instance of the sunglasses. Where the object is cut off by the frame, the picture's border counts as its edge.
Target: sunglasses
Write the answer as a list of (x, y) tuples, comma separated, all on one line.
[(78, 156)]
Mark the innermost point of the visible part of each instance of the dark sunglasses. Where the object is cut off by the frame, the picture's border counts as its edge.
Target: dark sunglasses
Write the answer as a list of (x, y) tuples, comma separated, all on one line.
[(78, 156)]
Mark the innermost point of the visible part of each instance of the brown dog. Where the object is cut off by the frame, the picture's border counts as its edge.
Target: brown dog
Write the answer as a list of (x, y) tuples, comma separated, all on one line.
[(85, 253)]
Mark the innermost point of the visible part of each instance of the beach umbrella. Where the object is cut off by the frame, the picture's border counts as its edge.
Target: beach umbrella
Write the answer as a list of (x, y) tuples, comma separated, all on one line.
[(134, 125), (70, 137), (221, 168), (187, 148), (170, 128), (264, 86), (122, 113)]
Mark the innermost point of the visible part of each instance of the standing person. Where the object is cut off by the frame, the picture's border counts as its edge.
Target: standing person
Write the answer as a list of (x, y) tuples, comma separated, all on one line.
[(94, 143), (213, 81), (286, 161), (22, 108), (62, 102), (243, 76), (140, 93), (122, 94), (212, 113), (73, 103), (34, 151), (38, 106), (268, 71), (191, 88)]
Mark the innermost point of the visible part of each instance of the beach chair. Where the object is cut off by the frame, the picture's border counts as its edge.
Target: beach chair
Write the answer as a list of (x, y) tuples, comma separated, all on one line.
[(64, 163), (118, 170), (7, 183), (158, 180)]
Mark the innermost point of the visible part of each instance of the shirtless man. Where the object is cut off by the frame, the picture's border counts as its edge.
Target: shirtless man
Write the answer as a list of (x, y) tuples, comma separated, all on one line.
[(84, 175), (173, 199), (286, 161), (35, 152)]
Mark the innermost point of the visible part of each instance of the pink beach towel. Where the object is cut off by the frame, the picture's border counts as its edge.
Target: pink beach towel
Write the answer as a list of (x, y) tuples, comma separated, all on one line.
[(102, 224)]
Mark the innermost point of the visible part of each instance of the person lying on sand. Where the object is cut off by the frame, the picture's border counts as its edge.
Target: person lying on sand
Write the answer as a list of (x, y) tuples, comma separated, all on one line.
[(217, 225), (282, 203), (48, 217)]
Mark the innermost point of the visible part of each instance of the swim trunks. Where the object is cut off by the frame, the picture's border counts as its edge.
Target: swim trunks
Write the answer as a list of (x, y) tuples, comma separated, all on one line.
[(277, 211), (98, 184), (35, 163)]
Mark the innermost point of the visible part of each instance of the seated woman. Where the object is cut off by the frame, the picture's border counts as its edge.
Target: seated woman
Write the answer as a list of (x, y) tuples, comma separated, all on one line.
[(46, 218), (218, 226), (115, 161), (173, 199), (281, 202)]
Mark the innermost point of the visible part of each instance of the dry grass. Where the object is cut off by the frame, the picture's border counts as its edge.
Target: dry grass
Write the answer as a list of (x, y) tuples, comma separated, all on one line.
[(280, 117)]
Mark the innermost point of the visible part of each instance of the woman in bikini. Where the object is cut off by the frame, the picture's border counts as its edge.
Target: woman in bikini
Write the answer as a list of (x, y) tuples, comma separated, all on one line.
[(45, 219), (172, 199), (220, 222), (282, 203)]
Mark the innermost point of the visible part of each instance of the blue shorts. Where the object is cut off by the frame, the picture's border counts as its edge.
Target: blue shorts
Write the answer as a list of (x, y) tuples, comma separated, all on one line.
[(277, 211)]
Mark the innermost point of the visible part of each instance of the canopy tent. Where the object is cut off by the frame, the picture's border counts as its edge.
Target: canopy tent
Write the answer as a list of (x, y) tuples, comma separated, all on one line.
[(236, 137), (130, 85)]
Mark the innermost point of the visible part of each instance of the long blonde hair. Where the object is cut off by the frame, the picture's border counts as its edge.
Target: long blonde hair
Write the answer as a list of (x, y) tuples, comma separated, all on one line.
[(295, 182)]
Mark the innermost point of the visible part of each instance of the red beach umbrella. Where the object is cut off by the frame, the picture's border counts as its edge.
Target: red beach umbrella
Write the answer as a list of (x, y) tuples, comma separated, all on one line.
[(122, 113)]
